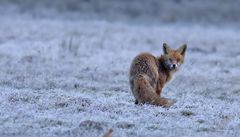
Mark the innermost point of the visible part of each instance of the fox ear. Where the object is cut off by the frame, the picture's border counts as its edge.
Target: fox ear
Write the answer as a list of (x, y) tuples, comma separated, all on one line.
[(166, 48), (182, 49)]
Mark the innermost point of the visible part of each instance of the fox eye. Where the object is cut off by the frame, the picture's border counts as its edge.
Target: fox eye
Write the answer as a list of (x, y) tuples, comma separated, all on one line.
[(171, 59), (178, 59)]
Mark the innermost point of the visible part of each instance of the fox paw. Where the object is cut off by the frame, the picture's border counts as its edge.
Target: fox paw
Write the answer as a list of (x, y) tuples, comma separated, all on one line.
[(169, 103)]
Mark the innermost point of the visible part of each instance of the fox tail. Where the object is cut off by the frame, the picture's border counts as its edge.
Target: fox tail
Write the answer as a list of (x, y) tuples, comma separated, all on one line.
[(145, 94)]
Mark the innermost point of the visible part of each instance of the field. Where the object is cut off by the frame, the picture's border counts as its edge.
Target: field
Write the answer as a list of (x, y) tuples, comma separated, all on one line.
[(66, 78)]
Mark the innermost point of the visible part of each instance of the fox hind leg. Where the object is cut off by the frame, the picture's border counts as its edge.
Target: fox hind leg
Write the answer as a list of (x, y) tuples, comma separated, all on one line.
[(136, 101), (144, 93)]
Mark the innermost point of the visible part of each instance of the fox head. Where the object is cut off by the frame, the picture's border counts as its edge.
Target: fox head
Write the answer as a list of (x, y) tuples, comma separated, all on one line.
[(173, 58)]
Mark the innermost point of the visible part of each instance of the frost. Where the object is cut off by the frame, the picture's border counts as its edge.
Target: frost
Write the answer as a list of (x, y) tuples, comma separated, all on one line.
[(70, 78)]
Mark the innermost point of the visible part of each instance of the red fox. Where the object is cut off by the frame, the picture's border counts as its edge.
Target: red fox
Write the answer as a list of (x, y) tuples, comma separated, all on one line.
[(149, 74)]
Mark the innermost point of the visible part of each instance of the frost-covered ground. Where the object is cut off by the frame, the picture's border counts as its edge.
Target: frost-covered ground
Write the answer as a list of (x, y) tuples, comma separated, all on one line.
[(70, 78)]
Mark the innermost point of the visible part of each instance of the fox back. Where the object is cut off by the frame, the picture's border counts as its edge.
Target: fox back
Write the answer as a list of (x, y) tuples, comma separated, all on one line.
[(149, 74)]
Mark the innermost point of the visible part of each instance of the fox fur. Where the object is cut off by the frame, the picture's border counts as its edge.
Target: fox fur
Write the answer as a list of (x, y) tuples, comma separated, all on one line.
[(149, 74)]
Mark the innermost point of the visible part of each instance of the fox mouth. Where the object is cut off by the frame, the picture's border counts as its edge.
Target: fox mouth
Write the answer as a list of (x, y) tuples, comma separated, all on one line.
[(171, 68)]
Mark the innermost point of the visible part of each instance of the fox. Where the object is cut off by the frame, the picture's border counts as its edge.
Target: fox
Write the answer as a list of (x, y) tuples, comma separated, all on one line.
[(149, 74)]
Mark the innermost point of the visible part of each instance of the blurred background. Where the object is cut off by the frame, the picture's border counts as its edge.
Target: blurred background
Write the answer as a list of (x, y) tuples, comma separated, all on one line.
[(135, 11)]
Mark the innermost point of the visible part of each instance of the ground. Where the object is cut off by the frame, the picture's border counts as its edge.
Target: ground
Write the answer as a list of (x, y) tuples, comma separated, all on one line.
[(70, 78)]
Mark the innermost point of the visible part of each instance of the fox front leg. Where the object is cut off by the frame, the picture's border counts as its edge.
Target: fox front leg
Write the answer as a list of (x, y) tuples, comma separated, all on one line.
[(159, 88)]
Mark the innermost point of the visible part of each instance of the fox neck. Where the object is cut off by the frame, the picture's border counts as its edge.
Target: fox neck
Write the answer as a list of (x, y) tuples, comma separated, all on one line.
[(164, 72)]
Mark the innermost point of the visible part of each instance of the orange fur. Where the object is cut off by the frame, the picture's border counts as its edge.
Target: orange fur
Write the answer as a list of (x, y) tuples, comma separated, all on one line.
[(149, 74)]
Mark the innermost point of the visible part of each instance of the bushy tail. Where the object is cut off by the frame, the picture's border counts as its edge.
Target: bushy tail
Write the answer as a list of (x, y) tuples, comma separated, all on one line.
[(144, 93)]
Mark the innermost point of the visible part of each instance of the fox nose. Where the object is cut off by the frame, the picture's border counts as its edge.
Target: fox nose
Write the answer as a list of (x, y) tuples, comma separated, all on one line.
[(174, 66)]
